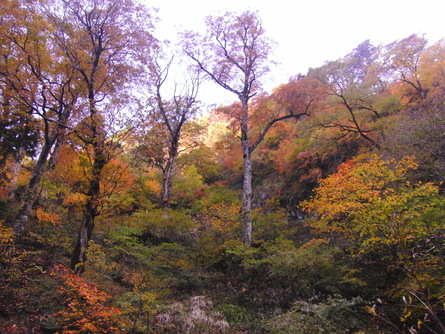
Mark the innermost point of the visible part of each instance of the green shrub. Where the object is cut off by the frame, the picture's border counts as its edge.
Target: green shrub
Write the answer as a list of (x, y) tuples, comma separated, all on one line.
[(333, 315)]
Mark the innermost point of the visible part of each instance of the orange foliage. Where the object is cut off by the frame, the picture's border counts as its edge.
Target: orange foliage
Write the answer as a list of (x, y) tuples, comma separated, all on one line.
[(284, 155), (300, 94), (47, 217), (74, 200), (85, 310), (116, 177), (73, 173), (73, 170), (154, 186), (69, 171)]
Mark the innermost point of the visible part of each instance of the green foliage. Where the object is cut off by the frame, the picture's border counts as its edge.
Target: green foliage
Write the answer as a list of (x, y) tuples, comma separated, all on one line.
[(237, 254), (203, 158), (216, 193), (217, 214), (171, 257), (165, 225), (333, 315), (138, 305), (389, 105), (270, 223), (234, 314), (188, 186), (125, 242), (313, 268)]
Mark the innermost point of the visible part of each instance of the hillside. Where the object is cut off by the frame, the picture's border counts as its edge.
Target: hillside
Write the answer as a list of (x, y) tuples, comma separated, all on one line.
[(127, 208)]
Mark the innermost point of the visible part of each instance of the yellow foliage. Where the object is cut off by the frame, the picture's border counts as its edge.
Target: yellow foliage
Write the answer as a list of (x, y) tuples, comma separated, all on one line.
[(371, 204), (362, 189), (223, 217), (6, 242), (6, 235)]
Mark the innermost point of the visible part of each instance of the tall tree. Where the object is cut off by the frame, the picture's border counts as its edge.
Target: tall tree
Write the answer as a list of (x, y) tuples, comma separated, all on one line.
[(38, 82), (173, 115), (107, 43), (234, 54)]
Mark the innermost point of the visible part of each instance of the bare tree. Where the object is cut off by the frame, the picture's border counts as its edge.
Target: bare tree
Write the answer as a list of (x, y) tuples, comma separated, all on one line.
[(173, 114), (234, 54)]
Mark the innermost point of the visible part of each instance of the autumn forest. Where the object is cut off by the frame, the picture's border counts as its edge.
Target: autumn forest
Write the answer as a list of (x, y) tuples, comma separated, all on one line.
[(129, 206)]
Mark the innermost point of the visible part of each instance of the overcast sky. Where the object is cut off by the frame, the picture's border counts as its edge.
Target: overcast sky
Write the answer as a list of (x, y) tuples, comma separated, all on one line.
[(311, 32)]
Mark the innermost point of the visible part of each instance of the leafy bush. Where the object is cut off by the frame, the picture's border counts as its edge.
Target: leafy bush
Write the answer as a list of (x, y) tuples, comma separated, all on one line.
[(334, 315), (159, 226), (234, 314)]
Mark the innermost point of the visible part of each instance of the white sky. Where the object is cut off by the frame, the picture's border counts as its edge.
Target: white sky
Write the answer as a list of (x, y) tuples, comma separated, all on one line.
[(309, 32)]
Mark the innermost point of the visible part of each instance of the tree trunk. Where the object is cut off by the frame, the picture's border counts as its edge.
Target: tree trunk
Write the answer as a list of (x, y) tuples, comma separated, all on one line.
[(246, 214), (84, 236), (90, 212), (31, 190), (57, 147), (246, 210), (15, 171), (167, 181)]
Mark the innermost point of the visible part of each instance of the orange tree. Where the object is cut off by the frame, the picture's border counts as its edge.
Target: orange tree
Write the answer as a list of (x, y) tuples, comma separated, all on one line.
[(371, 206)]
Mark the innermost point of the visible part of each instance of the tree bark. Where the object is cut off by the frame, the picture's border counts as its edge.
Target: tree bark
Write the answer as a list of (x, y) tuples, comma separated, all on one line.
[(51, 136), (246, 210), (15, 171), (84, 236), (57, 147), (31, 190), (238, 50), (167, 181)]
